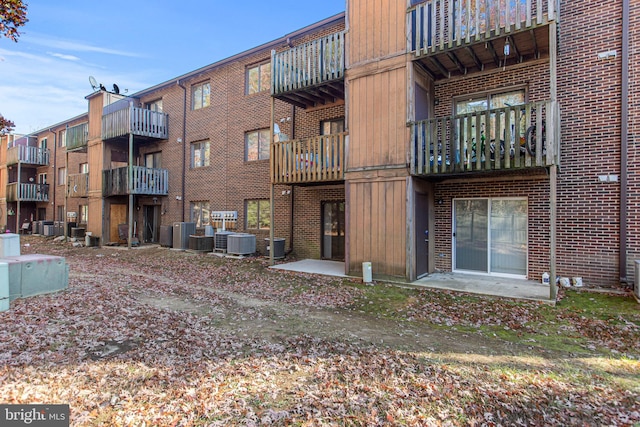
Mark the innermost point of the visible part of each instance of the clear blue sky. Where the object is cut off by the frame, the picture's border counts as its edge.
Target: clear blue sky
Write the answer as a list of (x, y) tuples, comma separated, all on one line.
[(44, 78)]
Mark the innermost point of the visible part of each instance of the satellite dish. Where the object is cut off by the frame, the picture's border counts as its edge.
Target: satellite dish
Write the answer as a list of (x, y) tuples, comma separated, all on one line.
[(94, 83), (116, 89)]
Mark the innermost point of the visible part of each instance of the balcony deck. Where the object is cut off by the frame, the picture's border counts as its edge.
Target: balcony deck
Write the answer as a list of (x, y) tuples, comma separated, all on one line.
[(28, 155), (310, 74), (456, 37), (77, 137), (137, 121), (78, 185), (448, 145), (310, 160), (27, 192), (146, 181)]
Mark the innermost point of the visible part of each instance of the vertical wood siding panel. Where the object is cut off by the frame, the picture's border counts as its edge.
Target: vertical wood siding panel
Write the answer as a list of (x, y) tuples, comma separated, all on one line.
[(367, 208), (376, 122), (386, 125), (376, 214), (364, 140), (400, 265)]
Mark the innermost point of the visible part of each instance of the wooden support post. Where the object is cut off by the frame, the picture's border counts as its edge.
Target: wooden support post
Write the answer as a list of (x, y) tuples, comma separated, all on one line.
[(130, 188), (553, 170), (272, 185)]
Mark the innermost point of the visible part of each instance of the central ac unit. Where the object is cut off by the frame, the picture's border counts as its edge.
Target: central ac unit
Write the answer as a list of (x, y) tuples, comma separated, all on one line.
[(220, 241), (166, 236), (201, 243), (181, 233), (241, 244)]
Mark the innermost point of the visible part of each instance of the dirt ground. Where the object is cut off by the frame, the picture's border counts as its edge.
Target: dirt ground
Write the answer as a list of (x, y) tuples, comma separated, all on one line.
[(155, 336)]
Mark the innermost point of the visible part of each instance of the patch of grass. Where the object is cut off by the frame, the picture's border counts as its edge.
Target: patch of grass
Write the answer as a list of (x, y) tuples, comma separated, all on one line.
[(383, 299), (581, 322)]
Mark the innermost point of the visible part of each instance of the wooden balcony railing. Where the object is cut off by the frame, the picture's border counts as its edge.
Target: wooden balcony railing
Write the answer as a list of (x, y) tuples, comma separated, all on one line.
[(28, 155), (78, 185), (146, 181), (310, 64), (136, 121), (499, 139), (77, 137), (437, 25), (318, 159), (27, 192)]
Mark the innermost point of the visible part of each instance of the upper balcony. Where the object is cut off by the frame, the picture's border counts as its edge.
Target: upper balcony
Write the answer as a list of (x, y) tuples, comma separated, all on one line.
[(77, 137), (310, 160), (501, 139), (456, 37), (78, 185), (27, 192), (310, 74), (28, 155), (146, 181), (122, 118)]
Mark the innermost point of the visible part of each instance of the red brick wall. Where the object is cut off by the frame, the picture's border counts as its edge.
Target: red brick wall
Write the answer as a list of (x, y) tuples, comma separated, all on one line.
[(533, 78), (229, 181), (535, 190), (589, 95), (308, 218), (588, 227)]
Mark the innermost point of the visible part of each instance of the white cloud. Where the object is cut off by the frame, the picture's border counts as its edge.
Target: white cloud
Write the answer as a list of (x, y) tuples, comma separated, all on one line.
[(75, 46), (63, 56), (41, 89)]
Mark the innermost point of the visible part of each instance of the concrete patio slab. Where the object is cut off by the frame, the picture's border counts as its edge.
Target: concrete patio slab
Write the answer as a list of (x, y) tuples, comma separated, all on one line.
[(476, 284)]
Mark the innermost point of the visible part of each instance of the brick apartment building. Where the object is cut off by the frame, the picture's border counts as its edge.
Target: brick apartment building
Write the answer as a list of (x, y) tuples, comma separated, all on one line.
[(476, 136)]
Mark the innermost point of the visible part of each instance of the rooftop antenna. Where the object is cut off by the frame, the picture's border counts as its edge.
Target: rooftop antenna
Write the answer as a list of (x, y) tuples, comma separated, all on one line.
[(116, 89)]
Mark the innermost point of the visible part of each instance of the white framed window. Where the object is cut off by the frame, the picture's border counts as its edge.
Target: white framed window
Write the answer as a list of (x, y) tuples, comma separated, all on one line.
[(200, 95), (257, 145), (258, 78), (62, 138), (200, 152), (43, 143), (257, 214), (153, 160), (42, 178), (62, 176), (332, 127), (83, 168), (480, 103), (155, 105), (200, 213), (83, 214)]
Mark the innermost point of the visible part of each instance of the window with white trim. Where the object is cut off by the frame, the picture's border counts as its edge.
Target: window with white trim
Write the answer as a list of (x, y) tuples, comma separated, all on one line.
[(200, 95), (200, 152), (257, 145), (200, 213), (258, 214), (258, 78)]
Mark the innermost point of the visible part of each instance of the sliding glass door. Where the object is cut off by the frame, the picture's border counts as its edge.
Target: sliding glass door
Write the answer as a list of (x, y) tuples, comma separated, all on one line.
[(490, 236)]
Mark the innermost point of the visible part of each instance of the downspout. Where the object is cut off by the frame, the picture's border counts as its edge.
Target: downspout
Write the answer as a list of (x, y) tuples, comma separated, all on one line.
[(184, 144), (55, 157), (130, 178), (624, 142), (293, 200), (293, 187)]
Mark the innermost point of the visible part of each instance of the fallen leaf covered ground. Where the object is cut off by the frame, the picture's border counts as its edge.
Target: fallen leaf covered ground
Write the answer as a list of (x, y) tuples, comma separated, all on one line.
[(155, 337)]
